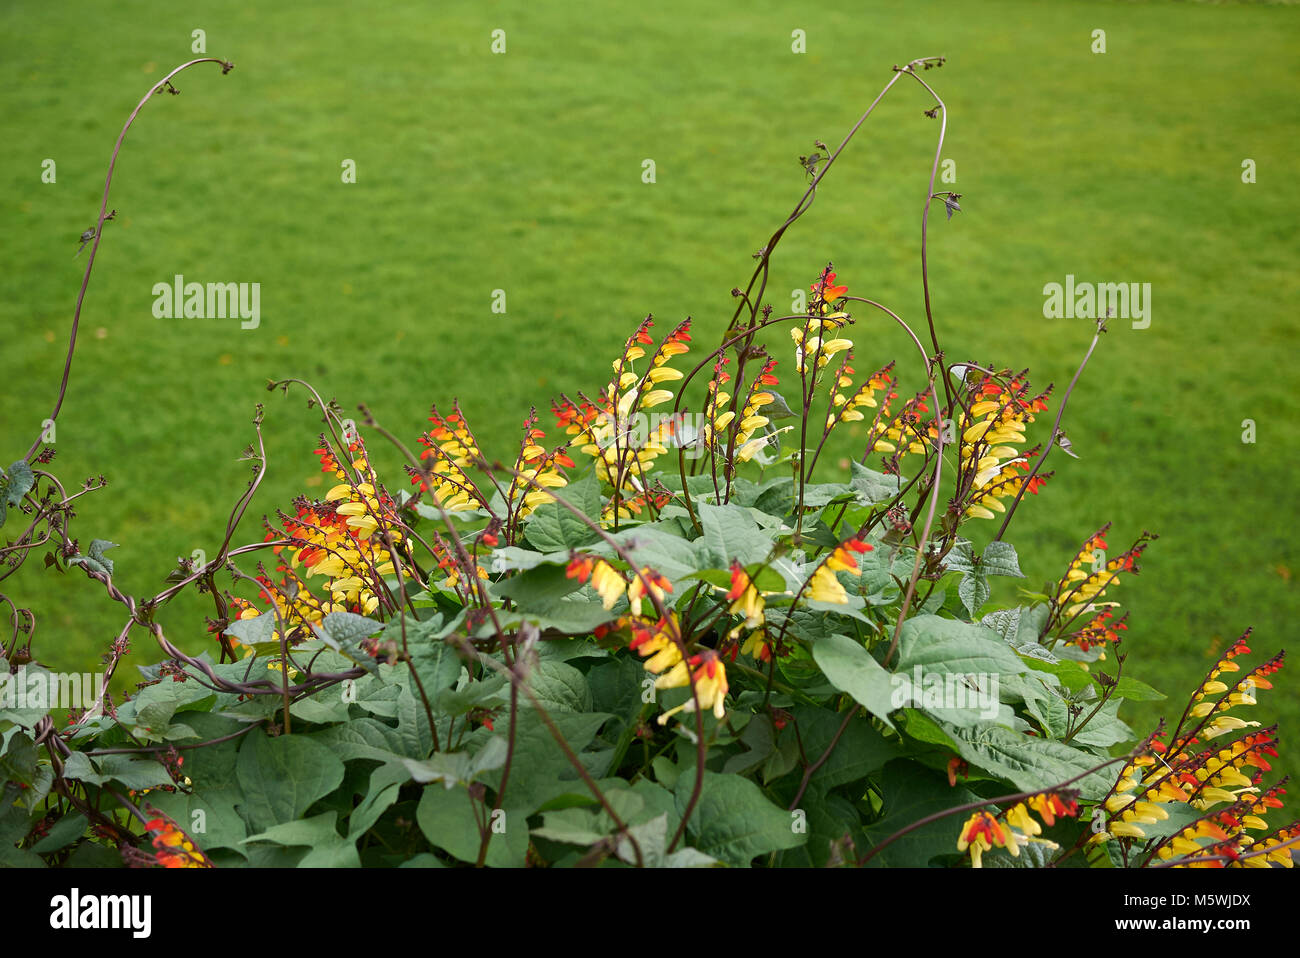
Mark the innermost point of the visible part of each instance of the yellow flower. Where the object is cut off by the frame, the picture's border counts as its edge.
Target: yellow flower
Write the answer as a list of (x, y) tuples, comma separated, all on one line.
[(1018, 817), (658, 645), (826, 588), (709, 677), (745, 598), (1126, 830), (980, 833), (823, 586), (658, 585), (607, 582)]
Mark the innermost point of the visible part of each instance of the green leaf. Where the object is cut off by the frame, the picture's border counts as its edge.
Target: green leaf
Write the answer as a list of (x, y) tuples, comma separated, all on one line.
[(873, 488), (323, 708), (1031, 855), (974, 591), (652, 839), (14, 826), (911, 792), (216, 792), (759, 739), (156, 705), (860, 751), (513, 558), (480, 693), (616, 687), (438, 666), (94, 560), (1132, 689), (734, 821), (961, 557), (1105, 728), (817, 495), (282, 777), (329, 849), (366, 738), (538, 589), (448, 820), (1052, 714), (62, 833), (1028, 762), (571, 826), (830, 817), (553, 528), (730, 532), (657, 546), (344, 632), (459, 767), (540, 771), (1006, 623), (1032, 620), (18, 481), (878, 573), (949, 646), (576, 615), (255, 631), (128, 770), (423, 860), (666, 773), (1071, 675), (348, 628), (999, 558), (559, 688), (850, 668), (385, 787), (449, 768), (18, 757)]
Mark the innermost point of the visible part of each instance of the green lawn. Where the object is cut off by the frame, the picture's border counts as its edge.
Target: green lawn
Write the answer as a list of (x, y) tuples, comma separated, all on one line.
[(522, 172)]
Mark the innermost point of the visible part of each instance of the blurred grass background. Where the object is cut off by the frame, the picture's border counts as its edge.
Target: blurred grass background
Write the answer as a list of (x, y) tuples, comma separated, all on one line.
[(522, 172)]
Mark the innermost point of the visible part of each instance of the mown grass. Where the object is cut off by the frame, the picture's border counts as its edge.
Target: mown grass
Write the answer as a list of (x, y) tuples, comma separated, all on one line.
[(522, 172)]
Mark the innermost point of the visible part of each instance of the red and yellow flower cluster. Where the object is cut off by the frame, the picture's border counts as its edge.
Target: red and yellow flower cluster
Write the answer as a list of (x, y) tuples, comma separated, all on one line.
[(990, 433), (340, 538), (450, 449), (824, 586), (173, 848), (1223, 782), (609, 430), (1089, 576), (848, 407), (1014, 827), (656, 638), (812, 350), (536, 470)]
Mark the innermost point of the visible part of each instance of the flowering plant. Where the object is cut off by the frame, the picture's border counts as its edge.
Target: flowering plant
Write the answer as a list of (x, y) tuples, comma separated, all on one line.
[(660, 637)]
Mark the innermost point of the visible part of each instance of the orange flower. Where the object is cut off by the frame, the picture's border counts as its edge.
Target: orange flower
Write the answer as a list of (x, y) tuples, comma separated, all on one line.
[(825, 287), (173, 848)]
